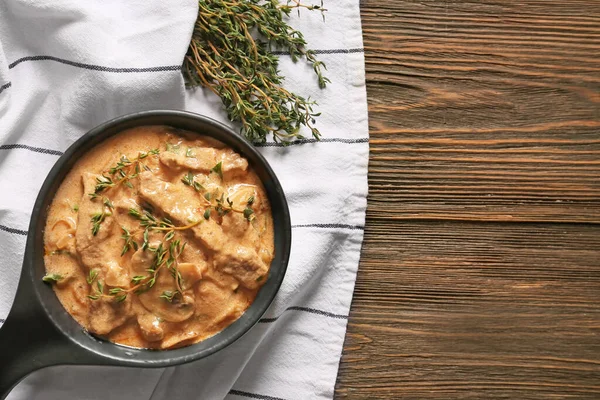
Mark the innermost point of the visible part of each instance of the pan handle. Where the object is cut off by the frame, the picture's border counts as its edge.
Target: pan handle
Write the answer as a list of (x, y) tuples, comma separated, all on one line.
[(29, 341)]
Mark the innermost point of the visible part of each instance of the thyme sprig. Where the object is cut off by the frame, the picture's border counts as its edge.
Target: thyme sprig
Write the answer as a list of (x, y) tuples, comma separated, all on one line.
[(166, 254), (102, 183), (221, 205), (99, 217), (147, 220), (98, 291), (227, 57), (151, 223), (123, 172), (129, 242), (188, 179), (175, 250), (92, 275), (141, 283)]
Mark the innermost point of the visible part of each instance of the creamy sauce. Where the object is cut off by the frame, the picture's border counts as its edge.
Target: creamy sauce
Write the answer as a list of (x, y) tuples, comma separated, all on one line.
[(162, 249)]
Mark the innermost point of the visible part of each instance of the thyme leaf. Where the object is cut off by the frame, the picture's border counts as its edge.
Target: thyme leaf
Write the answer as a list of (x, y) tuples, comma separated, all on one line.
[(169, 295), (92, 275), (249, 214), (218, 169), (97, 219), (51, 278), (98, 291), (129, 242), (188, 180), (173, 148), (138, 278), (103, 182), (119, 294)]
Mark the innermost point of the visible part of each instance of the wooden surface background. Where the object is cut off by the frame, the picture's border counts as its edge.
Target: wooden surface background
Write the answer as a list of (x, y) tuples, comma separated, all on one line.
[(480, 272)]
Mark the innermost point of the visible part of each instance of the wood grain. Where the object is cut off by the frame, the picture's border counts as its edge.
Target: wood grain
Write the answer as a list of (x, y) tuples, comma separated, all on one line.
[(480, 272)]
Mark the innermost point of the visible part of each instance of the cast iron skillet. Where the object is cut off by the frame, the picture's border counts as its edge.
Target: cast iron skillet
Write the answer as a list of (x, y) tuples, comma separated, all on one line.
[(39, 333)]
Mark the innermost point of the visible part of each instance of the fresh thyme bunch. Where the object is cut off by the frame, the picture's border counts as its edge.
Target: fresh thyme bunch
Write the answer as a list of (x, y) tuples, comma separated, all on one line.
[(232, 54)]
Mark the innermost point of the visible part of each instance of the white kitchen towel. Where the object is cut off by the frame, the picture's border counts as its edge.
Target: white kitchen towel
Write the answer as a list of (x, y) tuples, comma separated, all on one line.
[(69, 65)]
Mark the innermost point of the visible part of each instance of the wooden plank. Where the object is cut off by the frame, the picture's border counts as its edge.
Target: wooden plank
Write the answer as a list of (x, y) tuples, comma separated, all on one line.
[(482, 110), (475, 310)]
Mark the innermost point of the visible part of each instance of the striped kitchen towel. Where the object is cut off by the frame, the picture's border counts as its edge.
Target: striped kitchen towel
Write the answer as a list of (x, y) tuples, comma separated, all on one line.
[(69, 65)]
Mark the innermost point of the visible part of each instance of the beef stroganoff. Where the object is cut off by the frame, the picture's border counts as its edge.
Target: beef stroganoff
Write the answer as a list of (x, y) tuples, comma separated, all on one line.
[(158, 238)]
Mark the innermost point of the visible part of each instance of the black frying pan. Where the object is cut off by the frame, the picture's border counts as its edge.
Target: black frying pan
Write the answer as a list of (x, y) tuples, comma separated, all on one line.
[(39, 333)]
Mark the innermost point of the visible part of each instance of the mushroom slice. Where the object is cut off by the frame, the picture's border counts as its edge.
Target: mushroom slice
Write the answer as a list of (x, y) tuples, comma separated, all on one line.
[(178, 308), (190, 274), (150, 327), (179, 338)]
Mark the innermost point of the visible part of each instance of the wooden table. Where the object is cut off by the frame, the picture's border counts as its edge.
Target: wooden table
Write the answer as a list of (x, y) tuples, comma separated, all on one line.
[(480, 272)]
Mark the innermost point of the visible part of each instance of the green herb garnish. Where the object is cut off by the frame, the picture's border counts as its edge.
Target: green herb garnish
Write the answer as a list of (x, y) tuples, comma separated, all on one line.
[(51, 278), (99, 217), (231, 53), (173, 148), (188, 179), (92, 275), (103, 183), (169, 295), (137, 279), (249, 214), (119, 294), (123, 172), (221, 208), (129, 242), (218, 169), (98, 291)]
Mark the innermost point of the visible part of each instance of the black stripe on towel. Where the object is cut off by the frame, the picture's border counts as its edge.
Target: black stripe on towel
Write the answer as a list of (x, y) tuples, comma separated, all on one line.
[(305, 309), (323, 226), (305, 141), (94, 67), (253, 395), (268, 144), (150, 69), (326, 51), (5, 86), (331, 226), (339, 51), (13, 230), (31, 148)]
